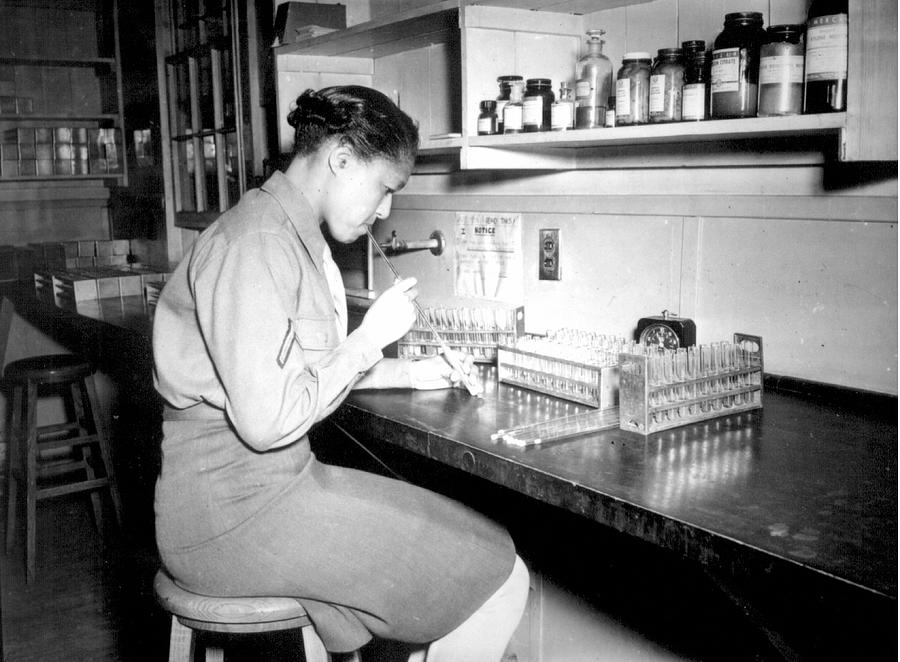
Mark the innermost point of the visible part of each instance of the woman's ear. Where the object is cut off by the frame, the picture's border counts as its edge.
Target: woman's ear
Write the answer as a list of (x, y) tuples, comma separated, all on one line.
[(339, 158)]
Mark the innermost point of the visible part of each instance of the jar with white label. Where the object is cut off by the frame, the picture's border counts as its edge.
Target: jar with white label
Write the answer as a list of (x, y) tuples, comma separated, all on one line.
[(512, 111), (735, 66), (487, 118), (505, 83), (666, 83), (695, 94), (562, 112), (537, 105), (633, 89), (826, 57), (781, 71)]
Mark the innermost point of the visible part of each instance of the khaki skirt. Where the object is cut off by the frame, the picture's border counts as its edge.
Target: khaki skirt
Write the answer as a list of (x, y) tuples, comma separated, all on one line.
[(364, 554)]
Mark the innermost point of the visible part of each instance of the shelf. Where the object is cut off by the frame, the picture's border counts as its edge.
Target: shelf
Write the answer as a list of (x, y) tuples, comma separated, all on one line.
[(35, 61), (34, 117), (60, 178), (403, 31), (676, 132)]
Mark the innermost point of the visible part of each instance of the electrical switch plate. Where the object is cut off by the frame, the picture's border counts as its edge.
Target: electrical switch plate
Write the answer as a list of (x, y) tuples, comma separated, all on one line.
[(548, 259)]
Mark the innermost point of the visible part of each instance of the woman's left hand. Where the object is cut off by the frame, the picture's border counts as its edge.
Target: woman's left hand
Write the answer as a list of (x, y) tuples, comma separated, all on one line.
[(436, 372)]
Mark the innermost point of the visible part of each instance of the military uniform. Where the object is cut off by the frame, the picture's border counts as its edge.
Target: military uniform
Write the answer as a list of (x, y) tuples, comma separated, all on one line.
[(250, 351)]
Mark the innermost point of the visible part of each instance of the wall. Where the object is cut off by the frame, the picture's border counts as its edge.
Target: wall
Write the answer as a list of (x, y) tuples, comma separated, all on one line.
[(812, 270)]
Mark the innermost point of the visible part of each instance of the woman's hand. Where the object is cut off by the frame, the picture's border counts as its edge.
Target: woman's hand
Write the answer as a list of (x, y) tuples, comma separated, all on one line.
[(435, 372), (392, 314)]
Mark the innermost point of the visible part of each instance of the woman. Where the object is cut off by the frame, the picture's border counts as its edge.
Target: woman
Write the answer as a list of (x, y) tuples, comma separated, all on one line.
[(251, 350)]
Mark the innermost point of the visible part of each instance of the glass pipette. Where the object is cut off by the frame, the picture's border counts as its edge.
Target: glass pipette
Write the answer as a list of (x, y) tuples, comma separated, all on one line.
[(471, 384)]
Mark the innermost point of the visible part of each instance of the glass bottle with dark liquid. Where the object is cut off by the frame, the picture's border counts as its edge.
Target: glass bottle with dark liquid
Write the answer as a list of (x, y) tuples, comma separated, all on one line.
[(825, 81)]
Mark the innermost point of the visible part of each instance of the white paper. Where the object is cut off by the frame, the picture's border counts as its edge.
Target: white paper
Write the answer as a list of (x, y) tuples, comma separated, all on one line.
[(488, 257)]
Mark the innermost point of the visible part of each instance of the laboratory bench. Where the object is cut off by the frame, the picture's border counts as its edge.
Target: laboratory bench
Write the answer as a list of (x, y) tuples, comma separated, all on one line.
[(797, 500)]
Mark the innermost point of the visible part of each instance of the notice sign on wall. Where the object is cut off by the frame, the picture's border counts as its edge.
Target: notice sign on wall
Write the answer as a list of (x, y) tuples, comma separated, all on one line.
[(489, 256)]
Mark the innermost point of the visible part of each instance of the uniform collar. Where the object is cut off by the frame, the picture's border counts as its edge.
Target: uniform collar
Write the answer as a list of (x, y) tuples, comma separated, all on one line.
[(300, 214)]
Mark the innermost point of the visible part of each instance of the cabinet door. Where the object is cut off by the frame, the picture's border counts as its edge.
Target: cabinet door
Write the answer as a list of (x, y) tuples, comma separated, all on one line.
[(871, 132)]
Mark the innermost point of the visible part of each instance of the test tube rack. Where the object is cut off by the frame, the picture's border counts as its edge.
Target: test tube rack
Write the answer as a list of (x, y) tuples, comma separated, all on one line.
[(670, 388), (475, 330), (574, 365)]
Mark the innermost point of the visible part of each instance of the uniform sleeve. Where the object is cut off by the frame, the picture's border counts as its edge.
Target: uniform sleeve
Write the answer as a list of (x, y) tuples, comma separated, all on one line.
[(245, 297)]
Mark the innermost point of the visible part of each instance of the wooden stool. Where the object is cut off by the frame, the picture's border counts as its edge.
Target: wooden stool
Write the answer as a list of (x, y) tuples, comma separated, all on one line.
[(53, 460), (192, 612)]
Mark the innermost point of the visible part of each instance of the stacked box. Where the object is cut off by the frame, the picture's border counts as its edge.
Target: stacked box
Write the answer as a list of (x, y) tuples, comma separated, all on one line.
[(63, 151), (24, 263), (8, 270), (43, 151)]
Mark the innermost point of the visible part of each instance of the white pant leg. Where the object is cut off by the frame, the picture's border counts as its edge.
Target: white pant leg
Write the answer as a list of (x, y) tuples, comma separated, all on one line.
[(483, 636)]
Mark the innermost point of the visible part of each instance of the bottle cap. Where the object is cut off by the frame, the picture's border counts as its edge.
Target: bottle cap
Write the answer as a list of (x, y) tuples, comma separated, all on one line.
[(488, 105), (538, 82), (636, 55), (694, 45)]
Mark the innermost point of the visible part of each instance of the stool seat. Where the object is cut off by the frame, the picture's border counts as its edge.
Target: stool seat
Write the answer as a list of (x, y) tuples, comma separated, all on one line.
[(48, 369), (232, 615), (228, 614)]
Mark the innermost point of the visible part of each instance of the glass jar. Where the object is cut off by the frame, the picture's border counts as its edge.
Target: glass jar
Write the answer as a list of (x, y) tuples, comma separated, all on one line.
[(825, 89), (513, 110), (633, 89), (593, 83), (610, 112), (735, 66), (537, 105), (695, 95), (781, 71), (505, 83), (562, 113), (487, 119), (666, 82)]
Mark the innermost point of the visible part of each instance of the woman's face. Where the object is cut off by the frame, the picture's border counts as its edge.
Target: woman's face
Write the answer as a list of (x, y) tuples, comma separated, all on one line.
[(360, 192)]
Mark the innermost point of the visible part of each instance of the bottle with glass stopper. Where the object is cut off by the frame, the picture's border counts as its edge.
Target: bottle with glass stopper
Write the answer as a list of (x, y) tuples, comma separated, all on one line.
[(593, 76)]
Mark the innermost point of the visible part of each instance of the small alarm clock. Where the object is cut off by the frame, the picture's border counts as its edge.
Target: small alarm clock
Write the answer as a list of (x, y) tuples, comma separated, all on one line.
[(666, 331)]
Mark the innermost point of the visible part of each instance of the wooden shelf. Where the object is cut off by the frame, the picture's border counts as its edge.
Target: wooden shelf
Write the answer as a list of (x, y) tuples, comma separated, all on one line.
[(58, 178), (434, 23), (36, 61), (676, 132), (58, 117)]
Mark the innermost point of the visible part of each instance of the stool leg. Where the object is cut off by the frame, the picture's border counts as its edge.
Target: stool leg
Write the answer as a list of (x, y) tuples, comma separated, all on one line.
[(76, 389), (215, 654), (181, 642), (313, 648), (105, 453), (30, 478), (13, 466)]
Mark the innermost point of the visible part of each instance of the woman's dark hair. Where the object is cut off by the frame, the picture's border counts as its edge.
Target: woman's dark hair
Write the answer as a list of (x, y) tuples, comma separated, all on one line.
[(363, 118)]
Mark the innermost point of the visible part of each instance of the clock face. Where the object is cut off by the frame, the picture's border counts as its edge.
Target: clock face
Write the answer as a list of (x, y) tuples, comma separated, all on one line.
[(661, 336)]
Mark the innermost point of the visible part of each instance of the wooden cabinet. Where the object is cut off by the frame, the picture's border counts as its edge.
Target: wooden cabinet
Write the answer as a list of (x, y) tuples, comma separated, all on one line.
[(61, 107), (439, 60), (211, 113)]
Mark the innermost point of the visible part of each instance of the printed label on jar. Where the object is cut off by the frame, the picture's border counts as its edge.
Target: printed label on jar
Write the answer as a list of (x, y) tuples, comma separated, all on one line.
[(623, 98), (726, 70), (658, 93), (583, 89), (533, 113), (826, 48), (561, 116), (512, 118), (781, 70), (693, 102), (486, 126)]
